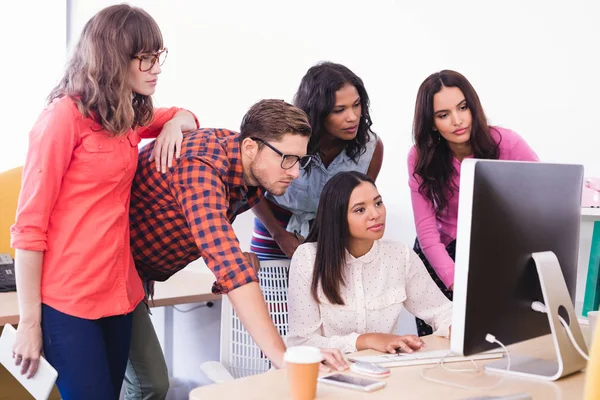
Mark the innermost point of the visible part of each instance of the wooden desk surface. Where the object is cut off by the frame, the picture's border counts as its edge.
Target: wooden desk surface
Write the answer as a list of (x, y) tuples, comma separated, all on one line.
[(182, 288), (406, 382), (9, 309)]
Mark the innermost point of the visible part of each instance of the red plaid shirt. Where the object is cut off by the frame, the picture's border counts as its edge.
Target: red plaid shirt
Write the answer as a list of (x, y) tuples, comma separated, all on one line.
[(187, 213)]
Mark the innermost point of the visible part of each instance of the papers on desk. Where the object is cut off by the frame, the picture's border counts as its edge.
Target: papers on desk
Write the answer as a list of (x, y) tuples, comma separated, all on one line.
[(424, 357)]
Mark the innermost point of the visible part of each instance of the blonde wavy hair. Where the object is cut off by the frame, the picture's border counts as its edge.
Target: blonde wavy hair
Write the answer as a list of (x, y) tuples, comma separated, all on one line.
[(96, 76)]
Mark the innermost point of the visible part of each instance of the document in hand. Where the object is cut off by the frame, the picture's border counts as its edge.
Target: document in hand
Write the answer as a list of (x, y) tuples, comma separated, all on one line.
[(41, 384)]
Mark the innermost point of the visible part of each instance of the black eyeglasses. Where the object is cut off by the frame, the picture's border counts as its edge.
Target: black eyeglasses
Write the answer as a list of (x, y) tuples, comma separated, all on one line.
[(287, 160), (148, 60)]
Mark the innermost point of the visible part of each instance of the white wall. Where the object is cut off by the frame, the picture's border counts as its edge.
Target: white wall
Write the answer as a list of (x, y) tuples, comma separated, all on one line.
[(534, 65), (32, 56)]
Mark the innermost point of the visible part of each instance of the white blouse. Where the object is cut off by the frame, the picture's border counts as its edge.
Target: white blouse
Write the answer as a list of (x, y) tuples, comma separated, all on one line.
[(378, 285)]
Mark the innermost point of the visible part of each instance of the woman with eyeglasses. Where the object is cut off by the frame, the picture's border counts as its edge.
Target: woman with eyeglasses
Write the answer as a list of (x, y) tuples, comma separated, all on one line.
[(76, 281), (337, 105)]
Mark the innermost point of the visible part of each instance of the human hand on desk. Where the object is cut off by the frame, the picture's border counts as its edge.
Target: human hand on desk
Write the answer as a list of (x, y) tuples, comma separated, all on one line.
[(389, 343), (333, 358)]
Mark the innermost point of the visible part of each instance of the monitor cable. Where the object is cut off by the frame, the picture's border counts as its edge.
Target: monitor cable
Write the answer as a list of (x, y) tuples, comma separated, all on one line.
[(490, 338), (540, 307)]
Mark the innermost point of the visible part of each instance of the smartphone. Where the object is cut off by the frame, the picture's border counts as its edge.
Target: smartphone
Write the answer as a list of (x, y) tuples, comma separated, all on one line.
[(353, 382)]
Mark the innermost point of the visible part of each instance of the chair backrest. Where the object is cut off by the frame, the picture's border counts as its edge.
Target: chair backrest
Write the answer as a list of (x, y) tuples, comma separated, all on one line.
[(10, 187), (239, 354)]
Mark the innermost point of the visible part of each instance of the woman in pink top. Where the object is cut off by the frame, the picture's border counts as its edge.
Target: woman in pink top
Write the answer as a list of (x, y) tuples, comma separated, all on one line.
[(76, 281), (449, 125)]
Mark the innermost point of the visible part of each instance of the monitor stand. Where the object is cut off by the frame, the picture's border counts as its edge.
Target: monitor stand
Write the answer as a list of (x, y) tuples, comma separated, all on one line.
[(556, 295)]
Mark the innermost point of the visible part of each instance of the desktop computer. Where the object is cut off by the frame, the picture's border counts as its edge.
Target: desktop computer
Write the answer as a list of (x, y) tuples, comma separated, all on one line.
[(517, 243)]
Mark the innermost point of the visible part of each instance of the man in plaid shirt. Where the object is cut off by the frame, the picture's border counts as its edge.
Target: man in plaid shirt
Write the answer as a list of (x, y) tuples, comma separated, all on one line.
[(187, 213)]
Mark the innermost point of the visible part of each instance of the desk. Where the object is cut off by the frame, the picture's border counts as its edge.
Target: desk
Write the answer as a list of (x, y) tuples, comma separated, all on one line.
[(183, 287), (9, 308), (406, 382)]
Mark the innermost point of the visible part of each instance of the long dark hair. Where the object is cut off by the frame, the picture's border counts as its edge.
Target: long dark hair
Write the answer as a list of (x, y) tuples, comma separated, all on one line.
[(331, 232), (316, 96), (434, 157)]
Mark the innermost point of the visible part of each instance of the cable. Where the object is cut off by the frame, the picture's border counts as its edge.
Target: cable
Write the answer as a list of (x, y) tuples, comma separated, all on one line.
[(573, 341), (490, 338), (540, 307), (476, 369), (536, 306), (208, 304)]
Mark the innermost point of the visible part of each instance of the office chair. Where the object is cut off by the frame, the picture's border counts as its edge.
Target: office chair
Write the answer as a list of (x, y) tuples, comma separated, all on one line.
[(10, 184), (239, 355)]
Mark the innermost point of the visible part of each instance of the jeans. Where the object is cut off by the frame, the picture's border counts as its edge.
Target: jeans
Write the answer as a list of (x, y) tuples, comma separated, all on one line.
[(146, 377), (90, 356)]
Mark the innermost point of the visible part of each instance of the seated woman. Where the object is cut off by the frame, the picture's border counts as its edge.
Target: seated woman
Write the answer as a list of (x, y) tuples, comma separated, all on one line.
[(347, 286)]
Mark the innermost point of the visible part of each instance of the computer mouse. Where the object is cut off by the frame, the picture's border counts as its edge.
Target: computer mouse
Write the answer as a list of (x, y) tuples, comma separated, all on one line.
[(369, 369)]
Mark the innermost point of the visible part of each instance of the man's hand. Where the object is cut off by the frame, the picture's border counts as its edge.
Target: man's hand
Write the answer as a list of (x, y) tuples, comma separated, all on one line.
[(333, 359)]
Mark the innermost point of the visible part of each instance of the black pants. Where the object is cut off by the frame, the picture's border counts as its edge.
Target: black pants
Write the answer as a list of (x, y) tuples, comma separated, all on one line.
[(422, 328)]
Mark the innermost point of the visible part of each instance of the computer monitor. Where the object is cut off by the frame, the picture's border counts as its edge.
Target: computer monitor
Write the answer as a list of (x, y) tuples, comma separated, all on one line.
[(517, 242)]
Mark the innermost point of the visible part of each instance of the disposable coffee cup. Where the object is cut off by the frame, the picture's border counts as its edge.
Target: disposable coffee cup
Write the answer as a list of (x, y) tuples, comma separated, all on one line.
[(302, 364)]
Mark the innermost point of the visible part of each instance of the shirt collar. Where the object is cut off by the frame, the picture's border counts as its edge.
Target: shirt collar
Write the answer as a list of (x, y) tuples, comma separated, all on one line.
[(366, 258), (235, 175)]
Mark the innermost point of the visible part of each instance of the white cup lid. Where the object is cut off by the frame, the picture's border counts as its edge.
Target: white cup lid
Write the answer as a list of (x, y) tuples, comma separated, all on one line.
[(303, 355)]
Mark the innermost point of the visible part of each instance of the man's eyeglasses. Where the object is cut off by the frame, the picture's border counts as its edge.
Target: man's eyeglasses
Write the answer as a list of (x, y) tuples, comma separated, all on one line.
[(148, 60), (287, 160)]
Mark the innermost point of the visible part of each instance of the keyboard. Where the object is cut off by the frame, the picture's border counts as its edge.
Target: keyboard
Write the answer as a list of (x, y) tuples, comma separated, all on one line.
[(425, 357)]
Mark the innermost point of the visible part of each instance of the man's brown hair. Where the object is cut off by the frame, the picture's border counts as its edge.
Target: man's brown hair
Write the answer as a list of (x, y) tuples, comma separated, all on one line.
[(269, 120)]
